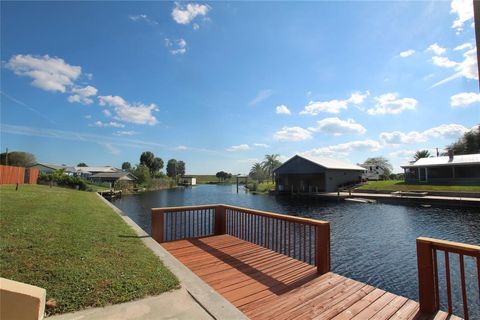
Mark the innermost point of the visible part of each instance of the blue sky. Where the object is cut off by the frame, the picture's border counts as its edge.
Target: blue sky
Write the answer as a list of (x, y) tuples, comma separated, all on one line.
[(221, 84)]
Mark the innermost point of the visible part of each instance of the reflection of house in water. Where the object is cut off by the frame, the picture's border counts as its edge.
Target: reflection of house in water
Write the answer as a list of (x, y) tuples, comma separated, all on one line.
[(315, 174), (462, 169), (187, 181)]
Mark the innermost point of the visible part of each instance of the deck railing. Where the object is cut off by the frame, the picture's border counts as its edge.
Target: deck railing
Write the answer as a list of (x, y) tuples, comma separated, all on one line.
[(303, 239), (428, 273)]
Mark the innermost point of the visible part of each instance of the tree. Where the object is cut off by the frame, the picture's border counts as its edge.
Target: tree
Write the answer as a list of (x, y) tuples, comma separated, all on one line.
[(382, 163), (82, 164), (126, 166), (172, 168), (147, 158), (142, 173), (257, 172), (271, 163), (157, 165), (469, 143), (421, 154), (180, 168), (17, 159), (222, 175)]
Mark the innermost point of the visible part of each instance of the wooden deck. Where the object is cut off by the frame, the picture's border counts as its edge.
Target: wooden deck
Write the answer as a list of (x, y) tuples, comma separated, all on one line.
[(264, 284)]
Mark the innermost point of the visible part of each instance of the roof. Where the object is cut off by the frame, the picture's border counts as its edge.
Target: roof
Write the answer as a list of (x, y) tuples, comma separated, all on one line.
[(328, 163), (115, 175), (56, 166), (463, 159), (96, 169)]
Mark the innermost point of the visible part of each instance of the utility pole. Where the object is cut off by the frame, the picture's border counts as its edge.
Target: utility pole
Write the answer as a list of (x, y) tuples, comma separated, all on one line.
[(6, 157), (437, 152)]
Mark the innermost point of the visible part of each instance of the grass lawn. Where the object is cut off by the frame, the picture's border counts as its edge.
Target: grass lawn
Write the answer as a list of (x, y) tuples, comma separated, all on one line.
[(73, 245), (401, 186)]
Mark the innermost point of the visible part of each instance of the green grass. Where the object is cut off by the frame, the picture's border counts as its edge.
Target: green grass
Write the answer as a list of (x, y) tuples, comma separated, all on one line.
[(262, 188), (73, 245), (206, 178), (399, 185)]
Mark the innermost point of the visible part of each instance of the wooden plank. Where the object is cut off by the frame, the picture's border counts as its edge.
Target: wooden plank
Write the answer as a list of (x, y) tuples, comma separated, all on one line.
[(264, 284)]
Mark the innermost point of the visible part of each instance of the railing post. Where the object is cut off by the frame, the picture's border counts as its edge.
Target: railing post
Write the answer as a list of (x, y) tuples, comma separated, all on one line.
[(426, 277), (220, 220), (158, 220), (322, 246)]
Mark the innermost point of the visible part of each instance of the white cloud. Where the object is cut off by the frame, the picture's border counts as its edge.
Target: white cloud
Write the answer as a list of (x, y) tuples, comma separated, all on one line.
[(402, 154), (111, 148), (344, 149), (107, 113), (464, 11), (464, 99), (282, 109), (195, 26), (181, 148), (112, 124), (334, 106), (125, 133), (138, 113), (390, 104), (466, 68), (144, 18), (445, 131), (185, 14), (398, 137), (407, 53), (435, 48), (338, 127), (50, 74), (82, 95), (444, 62), (292, 134), (261, 95), (261, 145), (463, 47), (240, 147), (177, 46)]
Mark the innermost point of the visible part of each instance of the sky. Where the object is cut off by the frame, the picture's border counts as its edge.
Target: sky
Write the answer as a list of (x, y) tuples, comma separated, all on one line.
[(220, 84)]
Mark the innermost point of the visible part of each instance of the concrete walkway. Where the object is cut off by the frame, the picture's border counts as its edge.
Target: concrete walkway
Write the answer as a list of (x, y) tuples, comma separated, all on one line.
[(177, 304)]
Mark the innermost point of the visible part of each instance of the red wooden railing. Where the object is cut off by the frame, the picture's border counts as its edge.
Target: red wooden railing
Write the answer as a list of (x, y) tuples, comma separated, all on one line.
[(303, 239), (428, 273)]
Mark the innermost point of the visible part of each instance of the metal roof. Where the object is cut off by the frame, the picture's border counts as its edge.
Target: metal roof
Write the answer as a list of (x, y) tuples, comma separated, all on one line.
[(442, 161), (96, 169), (120, 174), (55, 166), (329, 163)]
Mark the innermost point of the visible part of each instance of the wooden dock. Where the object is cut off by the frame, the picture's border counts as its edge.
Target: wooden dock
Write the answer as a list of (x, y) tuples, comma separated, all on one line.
[(273, 266), (266, 285)]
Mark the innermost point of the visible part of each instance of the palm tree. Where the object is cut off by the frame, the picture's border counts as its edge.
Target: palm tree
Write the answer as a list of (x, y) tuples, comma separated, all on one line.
[(257, 172), (271, 163), (421, 154)]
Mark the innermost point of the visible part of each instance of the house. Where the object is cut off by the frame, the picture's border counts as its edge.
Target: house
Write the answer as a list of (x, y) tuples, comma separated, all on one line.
[(451, 169), (88, 172), (373, 172), (315, 174), (113, 177), (47, 168), (187, 181)]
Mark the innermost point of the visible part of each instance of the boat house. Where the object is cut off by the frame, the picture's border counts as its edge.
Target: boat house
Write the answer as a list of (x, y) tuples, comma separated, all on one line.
[(113, 177), (302, 174), (451, 169), (187, 181)]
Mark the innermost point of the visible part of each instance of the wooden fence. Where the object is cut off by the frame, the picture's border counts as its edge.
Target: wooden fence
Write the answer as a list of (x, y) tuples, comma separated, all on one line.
[(428, 273), (303, 239), (20, 175)]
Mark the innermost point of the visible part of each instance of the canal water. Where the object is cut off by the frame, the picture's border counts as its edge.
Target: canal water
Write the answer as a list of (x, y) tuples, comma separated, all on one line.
[(372, 243)]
